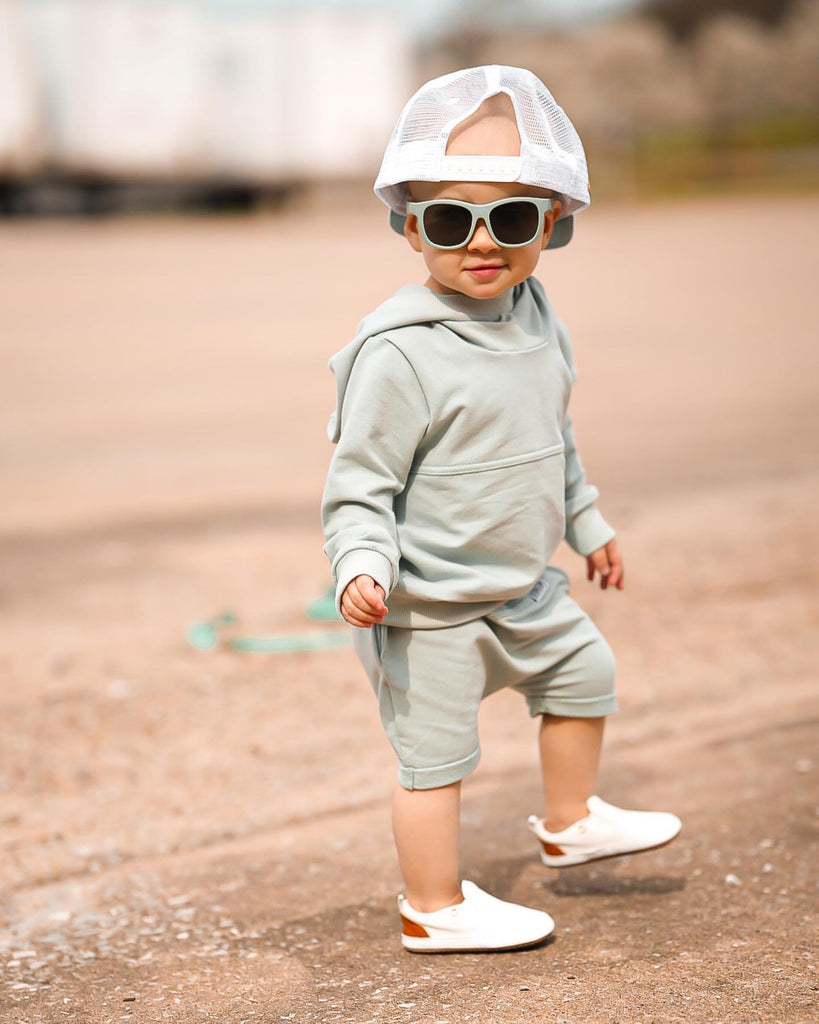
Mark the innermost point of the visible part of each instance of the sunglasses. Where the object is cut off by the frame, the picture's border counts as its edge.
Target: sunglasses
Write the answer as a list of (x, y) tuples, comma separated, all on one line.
[(449, 223)]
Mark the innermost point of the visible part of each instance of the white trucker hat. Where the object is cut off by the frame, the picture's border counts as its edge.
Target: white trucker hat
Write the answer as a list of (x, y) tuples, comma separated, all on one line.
[(551, 153)]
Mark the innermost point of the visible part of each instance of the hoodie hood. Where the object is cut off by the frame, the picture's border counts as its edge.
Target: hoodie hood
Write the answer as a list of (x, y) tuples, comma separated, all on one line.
[(416, 305)]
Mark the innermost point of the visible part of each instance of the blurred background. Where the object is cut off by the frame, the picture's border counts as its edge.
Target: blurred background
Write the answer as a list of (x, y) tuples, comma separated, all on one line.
[(116, 104)]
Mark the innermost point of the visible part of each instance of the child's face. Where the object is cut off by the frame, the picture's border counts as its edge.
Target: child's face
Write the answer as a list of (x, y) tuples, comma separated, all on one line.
[(481, 269)]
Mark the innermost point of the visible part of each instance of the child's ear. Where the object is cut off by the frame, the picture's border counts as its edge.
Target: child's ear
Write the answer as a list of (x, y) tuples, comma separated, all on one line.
[(411, 232), (549, 222)]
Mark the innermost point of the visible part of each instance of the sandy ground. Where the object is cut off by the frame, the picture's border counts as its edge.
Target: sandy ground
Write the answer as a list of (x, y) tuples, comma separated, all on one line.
[(194, 837)]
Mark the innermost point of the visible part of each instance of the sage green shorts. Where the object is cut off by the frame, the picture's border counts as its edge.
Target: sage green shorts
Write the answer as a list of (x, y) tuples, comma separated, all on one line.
[(430, 682)]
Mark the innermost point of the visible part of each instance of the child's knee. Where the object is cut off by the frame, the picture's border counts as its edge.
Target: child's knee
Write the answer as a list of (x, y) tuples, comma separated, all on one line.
[(601, 670), (583, 687)]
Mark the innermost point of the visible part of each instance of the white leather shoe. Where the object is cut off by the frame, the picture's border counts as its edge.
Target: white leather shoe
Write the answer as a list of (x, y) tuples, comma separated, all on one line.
[(482, 922), (606, 831)]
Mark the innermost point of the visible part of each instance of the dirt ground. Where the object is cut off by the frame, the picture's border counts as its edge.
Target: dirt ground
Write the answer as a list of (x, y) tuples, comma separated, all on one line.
[(204, 836)]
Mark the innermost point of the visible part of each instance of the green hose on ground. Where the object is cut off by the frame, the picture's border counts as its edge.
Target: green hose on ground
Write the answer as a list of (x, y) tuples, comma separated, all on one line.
[(216, 632)]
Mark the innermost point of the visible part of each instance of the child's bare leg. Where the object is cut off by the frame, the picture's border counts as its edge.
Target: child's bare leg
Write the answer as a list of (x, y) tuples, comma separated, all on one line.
[(426, 825), (569, 757)]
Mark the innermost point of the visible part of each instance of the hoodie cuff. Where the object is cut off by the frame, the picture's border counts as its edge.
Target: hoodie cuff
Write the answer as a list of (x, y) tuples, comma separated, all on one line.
[(588, 531), (363, 562)]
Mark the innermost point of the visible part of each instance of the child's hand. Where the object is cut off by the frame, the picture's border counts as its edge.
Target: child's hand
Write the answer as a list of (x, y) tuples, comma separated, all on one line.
[(362, 602), (608, 562)]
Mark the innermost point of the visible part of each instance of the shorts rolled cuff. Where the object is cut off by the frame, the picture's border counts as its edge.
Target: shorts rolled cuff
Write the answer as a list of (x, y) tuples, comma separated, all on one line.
[(580, 707), (441, 775)]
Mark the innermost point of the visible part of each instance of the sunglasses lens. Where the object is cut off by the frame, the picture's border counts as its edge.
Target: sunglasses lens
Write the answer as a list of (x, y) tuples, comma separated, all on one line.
[(447, 226), (515, 223)]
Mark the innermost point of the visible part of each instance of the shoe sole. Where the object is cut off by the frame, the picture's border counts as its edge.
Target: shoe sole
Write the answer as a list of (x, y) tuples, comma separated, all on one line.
[(478, 949), (558, 862)]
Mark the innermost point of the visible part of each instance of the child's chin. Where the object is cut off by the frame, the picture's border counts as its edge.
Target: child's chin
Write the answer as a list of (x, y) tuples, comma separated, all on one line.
[(487, 289)]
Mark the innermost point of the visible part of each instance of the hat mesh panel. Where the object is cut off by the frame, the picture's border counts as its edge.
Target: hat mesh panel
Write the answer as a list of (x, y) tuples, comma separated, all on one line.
[(551, 150)]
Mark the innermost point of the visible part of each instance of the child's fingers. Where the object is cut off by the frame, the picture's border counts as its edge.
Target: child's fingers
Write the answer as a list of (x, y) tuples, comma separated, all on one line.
[(356, 616), (359, 594), (598, 561), (616, 574), (362, 602), (354, 619), (372, 594)]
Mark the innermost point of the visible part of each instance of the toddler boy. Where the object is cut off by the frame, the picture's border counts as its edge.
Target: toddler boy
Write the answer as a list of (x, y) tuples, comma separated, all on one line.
[(455, 477)]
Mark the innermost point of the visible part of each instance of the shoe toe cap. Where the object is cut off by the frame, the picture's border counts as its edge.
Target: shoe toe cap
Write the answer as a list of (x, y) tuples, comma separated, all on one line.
[(526, 928), (665, 824)]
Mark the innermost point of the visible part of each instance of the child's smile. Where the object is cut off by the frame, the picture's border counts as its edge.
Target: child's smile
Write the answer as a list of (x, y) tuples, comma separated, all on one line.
[(485, 271), (481, 268)]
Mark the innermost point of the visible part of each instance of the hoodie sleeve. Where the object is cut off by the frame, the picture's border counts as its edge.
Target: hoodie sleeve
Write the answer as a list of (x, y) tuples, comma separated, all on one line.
[(383, 417), (586, 529)]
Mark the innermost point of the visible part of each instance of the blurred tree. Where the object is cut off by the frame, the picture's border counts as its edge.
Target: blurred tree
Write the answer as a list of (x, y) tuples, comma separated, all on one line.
[(735, 64), (796, 85), (470, 24), (684, 17), (736, 100)]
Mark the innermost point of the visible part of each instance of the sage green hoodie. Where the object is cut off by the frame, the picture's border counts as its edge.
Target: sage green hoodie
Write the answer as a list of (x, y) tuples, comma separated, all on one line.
[(455, 474)]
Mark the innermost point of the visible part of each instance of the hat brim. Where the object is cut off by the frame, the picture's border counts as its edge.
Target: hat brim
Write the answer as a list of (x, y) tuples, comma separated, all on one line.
[(562, 230)]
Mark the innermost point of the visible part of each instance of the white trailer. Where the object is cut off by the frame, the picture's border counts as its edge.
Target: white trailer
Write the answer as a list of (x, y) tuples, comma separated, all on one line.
[(346, 77), (244, 134), (124, 84), (22, 128), (191, 92)]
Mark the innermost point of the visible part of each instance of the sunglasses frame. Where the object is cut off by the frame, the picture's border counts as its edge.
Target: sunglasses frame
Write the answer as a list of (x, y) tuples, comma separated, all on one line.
[(480, 212)]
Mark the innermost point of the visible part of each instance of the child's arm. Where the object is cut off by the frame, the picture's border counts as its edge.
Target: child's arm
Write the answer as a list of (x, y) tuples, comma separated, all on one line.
[(586, 529), (383, 418), (587, 532)]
